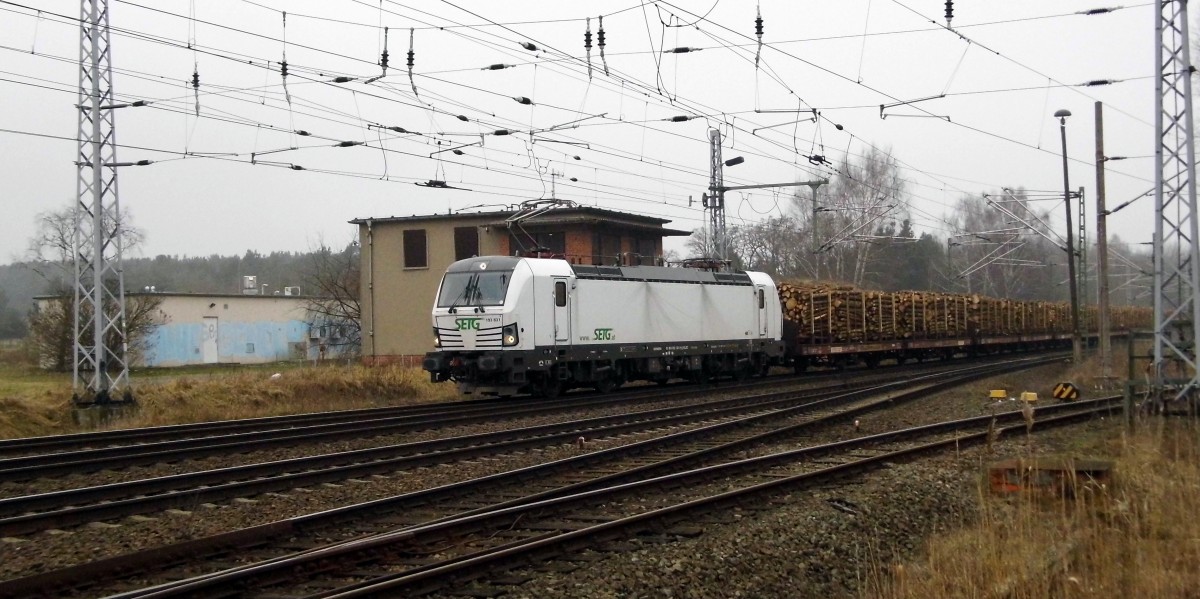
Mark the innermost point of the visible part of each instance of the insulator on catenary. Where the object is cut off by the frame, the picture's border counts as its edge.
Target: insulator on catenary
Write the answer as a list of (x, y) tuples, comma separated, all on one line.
[(283, 71), (383, 60), (296, 167), (401, 130), (383, 57), (347, 144), (1095, 82), (502, 132), (343, 79), (462, 118), (679, 119), (302, 133), (523, 100), (497, 67), (587, 45), (758, 31), (457, 152), (949, 11), (196, 88), (681, 50), (529, 46), (600, 44), (1097, 11), (411, 60)]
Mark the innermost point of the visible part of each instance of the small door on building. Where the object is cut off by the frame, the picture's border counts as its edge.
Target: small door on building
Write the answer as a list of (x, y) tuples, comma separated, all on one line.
[(562, 311), (761, 297), (208, 340)]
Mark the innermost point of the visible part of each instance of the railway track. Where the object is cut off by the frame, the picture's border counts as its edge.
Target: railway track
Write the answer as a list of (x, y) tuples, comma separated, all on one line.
[(123, 449), (90, 450), (473, 553), (59, 509), (623, 465)]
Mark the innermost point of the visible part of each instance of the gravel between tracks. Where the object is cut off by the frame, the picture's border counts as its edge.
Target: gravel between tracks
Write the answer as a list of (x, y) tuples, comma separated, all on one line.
[(301, 448), (805, 547), (802, 546)]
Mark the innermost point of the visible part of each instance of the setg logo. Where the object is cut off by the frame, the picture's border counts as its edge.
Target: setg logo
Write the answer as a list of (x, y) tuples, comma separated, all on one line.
[(467, 324), (603, 335)]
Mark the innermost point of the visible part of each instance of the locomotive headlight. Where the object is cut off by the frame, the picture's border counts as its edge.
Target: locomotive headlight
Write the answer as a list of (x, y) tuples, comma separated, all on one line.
[(437, 339), (509, 335)]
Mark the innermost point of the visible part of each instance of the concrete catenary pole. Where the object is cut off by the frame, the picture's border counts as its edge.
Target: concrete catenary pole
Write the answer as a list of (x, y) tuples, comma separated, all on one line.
[(1076, 349), (1102, 249)]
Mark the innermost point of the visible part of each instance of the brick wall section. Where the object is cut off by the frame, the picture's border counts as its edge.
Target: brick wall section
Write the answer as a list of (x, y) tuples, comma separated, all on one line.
[(579, 245)]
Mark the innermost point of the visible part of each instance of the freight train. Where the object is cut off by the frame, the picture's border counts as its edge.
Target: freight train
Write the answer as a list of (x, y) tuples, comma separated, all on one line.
[(505, 325)]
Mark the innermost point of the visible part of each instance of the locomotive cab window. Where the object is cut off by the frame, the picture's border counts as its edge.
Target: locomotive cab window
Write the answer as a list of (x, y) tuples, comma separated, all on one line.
[(560, 293), (762, 299), (486, 288)]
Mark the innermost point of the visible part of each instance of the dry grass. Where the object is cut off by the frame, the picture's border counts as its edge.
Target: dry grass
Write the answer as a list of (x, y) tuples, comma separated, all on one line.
[(294, 391), (1138, 538), (33, 402)]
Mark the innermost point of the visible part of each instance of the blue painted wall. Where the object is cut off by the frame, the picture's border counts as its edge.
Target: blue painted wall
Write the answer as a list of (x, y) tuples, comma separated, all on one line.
[(177, 344)]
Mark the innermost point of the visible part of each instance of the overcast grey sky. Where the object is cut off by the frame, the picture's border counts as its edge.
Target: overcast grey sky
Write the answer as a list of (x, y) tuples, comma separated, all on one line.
[(222, 182)]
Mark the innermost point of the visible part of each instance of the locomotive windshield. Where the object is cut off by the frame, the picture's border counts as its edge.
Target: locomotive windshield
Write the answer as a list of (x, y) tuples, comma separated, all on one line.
[(482, 288)]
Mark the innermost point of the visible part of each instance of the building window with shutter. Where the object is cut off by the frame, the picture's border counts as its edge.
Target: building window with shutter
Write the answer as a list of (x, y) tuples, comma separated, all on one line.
[(466, 242), (415, 249), (606, 250), (647, 249)]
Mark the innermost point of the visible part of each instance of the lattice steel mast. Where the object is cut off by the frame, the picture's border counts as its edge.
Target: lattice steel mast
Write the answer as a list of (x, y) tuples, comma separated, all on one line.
[(101, 373), (1176, 254), (715, 200)]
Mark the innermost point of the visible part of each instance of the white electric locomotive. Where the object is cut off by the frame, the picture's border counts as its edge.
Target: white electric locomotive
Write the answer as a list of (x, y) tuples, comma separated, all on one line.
[(506, 325)]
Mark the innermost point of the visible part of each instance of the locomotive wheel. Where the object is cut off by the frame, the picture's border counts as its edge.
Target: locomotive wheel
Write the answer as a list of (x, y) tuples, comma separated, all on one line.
[(607, 384), (743, 373), (551, 388)]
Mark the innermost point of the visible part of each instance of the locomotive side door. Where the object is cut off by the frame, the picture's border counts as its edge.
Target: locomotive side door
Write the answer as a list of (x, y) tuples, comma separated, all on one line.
[(761, 299), (562, 311)]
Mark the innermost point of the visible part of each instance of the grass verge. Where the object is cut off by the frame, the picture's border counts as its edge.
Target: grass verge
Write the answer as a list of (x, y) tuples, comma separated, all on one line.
[(34, 402), (1135, 538)]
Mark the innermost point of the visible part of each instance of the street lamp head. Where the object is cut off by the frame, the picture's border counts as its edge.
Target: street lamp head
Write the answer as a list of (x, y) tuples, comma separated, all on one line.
[(1062, 116), (735, 161)]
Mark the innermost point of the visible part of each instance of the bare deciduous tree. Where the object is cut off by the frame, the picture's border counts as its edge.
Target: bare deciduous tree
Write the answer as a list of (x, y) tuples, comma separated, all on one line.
[(999, 256), (332, 282), (51, 250), (52, 327), (868, 193)]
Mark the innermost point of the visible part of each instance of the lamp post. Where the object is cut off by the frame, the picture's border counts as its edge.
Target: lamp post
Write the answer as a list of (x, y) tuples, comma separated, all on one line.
[(1076, 350)]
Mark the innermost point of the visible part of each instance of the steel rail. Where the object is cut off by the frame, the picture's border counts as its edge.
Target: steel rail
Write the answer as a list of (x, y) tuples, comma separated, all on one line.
[(72, 462), (551, 541), (299, 526), (63, 444), (78, 506)]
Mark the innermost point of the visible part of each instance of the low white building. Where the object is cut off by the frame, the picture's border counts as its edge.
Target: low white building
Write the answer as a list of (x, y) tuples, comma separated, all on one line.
[(236, 329), (215, 328)]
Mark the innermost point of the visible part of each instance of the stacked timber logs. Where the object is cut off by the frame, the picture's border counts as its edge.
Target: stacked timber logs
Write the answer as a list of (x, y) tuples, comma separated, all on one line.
[(823, 312)]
